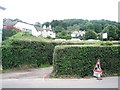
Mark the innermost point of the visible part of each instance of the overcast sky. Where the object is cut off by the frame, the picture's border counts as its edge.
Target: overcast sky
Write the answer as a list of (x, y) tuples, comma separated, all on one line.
[(46, 10)]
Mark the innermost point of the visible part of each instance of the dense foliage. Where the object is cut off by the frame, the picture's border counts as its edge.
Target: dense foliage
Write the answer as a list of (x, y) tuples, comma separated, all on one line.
[(113, 32), (8, 33), (90, 35), (70, 25), (98, 26), (79, 61), (31, 53)]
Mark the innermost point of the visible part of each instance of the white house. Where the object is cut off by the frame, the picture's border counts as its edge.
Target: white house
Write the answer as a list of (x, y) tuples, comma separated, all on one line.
[(36, 30), (1, 21), (46, 31), (77, 34), (27, 27), (50, 32)]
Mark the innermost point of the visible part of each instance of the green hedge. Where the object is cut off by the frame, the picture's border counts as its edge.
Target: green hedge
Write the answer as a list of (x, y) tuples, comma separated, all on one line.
[(31, 53), (20, 50), (79, 60)]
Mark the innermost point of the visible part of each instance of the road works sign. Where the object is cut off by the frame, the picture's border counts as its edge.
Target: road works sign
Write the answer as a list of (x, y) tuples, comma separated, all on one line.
[(97, 70)]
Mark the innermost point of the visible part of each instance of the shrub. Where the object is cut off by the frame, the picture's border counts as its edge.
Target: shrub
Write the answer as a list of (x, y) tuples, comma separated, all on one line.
[(107, 43), (31, 53), (78, 60), (8, 33), (48, 37)]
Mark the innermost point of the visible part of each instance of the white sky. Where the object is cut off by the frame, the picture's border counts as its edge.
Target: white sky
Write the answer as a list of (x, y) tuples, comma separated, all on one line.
[(46, 10)]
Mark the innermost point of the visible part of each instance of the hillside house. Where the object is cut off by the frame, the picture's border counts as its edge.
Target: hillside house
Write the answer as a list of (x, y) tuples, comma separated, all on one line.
[(76, 34), (36, 30), (23, 26), (48, 32)]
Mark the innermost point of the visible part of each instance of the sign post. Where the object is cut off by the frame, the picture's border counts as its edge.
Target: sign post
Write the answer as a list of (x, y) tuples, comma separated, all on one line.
[(104, 36)]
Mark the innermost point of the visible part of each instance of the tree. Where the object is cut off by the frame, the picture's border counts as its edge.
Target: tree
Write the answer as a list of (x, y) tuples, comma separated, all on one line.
[(38, 24), (46, 23), (97, 27), (90, 34), (63, 35), (55, 23), (74, 28), (89, 26), (59, 29), (112, 31)]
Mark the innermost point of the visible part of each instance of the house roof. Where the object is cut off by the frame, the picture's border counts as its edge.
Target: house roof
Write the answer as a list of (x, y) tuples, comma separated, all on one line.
[(21, 25), (38, 28), (2, 8), (10, 22)]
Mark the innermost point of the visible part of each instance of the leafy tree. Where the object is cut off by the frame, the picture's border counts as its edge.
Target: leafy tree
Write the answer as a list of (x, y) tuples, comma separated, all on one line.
[(55, 23), (97, 27), (89, 25), (38, 24), (90, 34), (46, 23), (63, 35), (82, 27), (113, 32), (74, 28), (59, 29)]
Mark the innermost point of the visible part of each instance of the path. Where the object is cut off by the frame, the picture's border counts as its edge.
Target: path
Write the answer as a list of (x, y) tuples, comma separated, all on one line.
[(28, 74)]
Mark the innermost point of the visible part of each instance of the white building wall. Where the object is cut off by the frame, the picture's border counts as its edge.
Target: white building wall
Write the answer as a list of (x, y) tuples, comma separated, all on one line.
[(44, 33), (51, 34), (75, 34), (23, 26)]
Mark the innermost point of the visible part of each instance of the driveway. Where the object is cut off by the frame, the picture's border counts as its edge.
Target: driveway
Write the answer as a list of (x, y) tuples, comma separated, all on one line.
[(28, 74)]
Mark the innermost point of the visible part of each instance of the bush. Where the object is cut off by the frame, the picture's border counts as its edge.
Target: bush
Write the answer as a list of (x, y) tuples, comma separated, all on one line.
[(8, 33), (78, 60), (107, 43), (48, 37), (32, 53)]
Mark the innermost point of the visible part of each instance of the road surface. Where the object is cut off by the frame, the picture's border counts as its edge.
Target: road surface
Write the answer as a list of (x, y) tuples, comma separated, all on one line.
[(108, 82), (38, 78)]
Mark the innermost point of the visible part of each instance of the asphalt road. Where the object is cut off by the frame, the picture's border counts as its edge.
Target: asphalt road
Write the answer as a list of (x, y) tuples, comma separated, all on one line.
[(107, 82), (38, 78)]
